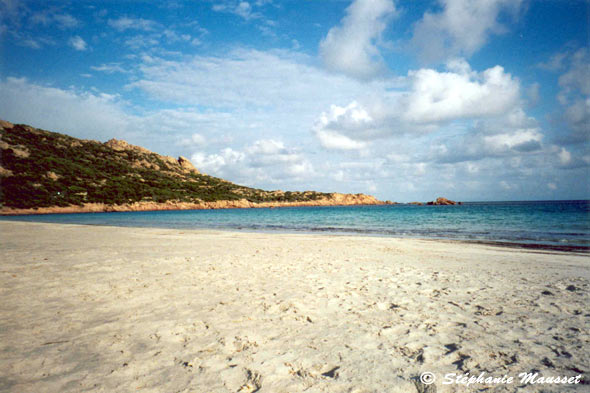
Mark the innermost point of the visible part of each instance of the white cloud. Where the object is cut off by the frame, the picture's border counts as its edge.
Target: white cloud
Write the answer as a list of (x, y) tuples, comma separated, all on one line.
[(578, 116), (555, 63), (512, 137), (243, 9), (461, 28), (577, 77), (352, 47), (336, 141), (475, 117), (219, 164), (269, 152), (142, 41), (34, 42), (62, 21), (193, 141), (80, 114), (245, 78), (265, 161), (127, 23), (565, 157), (331, 127), (31, 43), (520, 140), (110, 68), (507, 186), (440, 96), (574, 95), (66, 20), (78, 43), (198, 139), (431, 100), (533, 94)]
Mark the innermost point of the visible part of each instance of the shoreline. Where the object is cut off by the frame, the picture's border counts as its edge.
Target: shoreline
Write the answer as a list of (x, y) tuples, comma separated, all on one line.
[(529, 247), (336, 199), (98, 308)]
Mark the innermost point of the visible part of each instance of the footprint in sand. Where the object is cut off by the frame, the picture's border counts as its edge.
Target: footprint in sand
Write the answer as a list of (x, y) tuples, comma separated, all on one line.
[(253, 382)]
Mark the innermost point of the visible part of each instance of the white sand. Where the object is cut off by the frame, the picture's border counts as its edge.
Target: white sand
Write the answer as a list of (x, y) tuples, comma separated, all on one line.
[(105, 309)]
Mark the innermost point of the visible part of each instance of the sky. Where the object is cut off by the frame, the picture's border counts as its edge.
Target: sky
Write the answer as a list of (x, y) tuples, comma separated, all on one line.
[(405, 100)]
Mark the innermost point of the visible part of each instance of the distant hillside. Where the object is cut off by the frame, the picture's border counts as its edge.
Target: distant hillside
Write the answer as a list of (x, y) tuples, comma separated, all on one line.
[(52, 172)]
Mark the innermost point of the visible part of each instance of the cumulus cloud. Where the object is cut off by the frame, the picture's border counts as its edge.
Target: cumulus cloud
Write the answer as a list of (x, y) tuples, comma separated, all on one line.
[(352, 47), (519, 140), (265, 161), (78, 43), (332, 126), (194, 140), (476, 146), (459, 93), (510, 136), (336, 141), (461, 28), (431, 99), (476, 118)]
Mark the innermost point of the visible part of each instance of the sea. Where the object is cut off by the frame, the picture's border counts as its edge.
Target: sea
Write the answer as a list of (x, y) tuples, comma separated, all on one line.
[(557, 225)]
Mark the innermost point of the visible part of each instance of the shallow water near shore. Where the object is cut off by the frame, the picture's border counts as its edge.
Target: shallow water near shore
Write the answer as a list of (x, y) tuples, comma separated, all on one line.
[(564, 224)]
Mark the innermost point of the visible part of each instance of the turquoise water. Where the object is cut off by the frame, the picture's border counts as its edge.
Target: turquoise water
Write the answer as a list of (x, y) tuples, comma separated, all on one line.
[(565, 224)]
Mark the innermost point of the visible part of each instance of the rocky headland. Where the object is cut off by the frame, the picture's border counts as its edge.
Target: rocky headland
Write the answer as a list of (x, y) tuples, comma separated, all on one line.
[(45, 172)]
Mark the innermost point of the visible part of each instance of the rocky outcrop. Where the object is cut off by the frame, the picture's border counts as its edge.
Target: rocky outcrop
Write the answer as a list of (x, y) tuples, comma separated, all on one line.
[(120, 145), (52, 175), (133, 178), (6, 124), (5, 172), (443, 202), (187, 165), (350, 199)]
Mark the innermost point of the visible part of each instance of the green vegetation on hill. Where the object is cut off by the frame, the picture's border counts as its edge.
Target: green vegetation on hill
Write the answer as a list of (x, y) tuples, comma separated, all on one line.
[(42, 169)]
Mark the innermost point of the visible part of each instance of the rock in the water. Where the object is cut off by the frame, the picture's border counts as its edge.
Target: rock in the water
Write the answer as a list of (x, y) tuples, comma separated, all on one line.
[(442, 201)]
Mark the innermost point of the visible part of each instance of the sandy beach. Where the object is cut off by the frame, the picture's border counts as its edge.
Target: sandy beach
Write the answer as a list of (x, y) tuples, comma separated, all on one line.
[(105, 309)]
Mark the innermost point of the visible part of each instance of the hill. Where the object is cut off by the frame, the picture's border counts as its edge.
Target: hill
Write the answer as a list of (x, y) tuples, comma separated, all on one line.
[(48, 172)]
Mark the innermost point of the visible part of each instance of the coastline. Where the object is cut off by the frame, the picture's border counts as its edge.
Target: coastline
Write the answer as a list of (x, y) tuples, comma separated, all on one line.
[(525, 247), (336, 199), (122, 309)]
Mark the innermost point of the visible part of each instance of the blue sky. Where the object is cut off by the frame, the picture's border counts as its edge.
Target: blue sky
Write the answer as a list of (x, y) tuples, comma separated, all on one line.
[(405, 100)]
